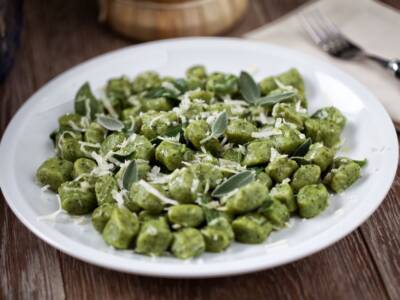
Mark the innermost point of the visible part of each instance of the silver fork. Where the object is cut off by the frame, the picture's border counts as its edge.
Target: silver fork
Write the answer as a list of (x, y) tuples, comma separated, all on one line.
[(327, 36)]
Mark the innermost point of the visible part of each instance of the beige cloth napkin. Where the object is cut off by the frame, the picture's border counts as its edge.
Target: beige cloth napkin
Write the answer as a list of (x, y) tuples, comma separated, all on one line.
[(372, 25)]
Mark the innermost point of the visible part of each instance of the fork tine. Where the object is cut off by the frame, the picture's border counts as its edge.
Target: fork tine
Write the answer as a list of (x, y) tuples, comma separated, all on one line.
[(334, 36), (312, 29), (327, 23)]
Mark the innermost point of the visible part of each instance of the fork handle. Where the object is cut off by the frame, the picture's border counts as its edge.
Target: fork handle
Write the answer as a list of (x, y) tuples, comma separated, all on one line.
[(392, 65)]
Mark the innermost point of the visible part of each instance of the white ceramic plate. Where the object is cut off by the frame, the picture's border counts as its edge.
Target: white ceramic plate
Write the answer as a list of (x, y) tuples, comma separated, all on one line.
[(369, 134)]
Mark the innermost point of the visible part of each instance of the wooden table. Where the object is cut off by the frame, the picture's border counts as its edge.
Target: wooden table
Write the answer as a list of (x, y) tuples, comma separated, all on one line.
[(60, 34)]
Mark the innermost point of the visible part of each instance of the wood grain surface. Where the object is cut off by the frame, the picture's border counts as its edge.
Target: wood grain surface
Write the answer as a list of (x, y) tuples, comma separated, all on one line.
[(60, 34), (148, 20)]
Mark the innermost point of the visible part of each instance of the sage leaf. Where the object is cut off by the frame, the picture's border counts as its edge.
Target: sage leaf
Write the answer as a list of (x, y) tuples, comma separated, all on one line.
[(283, 86), (158, 92), (170, 133), (220, 124), (234, 182), (300, 160), (173, 131), (248, 87), (212, 213), (303, 148), (110, 123), (361, 163), (273, 99), (131, 175), (86, 103), (218, 127)]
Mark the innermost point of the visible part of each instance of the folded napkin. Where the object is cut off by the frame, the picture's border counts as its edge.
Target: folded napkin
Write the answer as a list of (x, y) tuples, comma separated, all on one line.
[(372, 25)]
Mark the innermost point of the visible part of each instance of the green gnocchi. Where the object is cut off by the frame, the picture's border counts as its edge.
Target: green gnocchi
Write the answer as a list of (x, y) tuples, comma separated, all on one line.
[(183, 166)]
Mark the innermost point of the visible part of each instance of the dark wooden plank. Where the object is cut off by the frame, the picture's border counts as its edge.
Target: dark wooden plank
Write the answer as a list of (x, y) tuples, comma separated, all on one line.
[(381, 233), (343, 271), (30, 269), (69, 34), (393, 3)]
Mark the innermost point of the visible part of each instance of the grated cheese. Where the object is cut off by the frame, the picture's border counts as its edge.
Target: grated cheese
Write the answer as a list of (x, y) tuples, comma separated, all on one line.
[(298, 108), (275, 154), (242, 149), (227, 146), (195, 185), (61, 138), (151, 230), (45, 188), (88, 109), (156, 193), (134, 100), (155, 176), (75, 127), (103, 166), (176, 226), (119, 196), (108, 106), (266, 133), (169, 86), (207, 186), (52, 216)]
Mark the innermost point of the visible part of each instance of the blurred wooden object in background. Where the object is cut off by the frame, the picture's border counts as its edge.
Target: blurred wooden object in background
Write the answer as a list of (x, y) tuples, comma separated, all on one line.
[(10, 28), (158, 19)]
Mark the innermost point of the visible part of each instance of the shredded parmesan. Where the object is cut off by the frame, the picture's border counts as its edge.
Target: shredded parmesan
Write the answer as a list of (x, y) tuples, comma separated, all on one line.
[(155, 119), (237, 106), (323, 114), (86, 144), (210, 117), (300, 109), (266, 133), (278, 122), (242, 149), (75, 127), (52, 216), (103, 166), (155, 176), (227, 146), (62, 137), (172, 139), (195, 185), (109, 107), (274, 154), (119, 197), (134, 100), (151, 230), (230, 166), (45, 188), (207, 186), (169, 86), (156, 193), (127, 141), (213, 204)]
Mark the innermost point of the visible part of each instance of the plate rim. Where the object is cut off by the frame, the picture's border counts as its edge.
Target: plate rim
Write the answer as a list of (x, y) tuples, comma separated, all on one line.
[(152, 270)]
